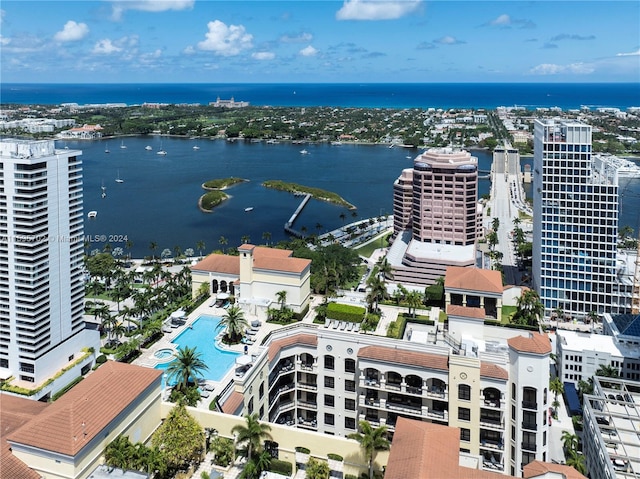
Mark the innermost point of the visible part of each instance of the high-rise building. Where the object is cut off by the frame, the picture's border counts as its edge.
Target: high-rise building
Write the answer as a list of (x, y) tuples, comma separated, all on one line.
[(437, 219), (575, 223), (42, 328)]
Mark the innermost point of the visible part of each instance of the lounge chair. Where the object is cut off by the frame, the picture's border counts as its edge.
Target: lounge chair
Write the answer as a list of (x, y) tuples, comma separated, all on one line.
[(336, 324), (356, 327), (204, 394), (342, 325), (349, 326), (248, 332), (327, 322)]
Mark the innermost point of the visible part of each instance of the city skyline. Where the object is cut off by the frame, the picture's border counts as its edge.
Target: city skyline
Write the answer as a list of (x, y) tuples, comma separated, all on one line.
[(318, 41)]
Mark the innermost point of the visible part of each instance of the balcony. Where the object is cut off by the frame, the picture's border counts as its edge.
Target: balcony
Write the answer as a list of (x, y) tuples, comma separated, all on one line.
[(529, 425), (492, 403), (307, 386), (436, 392), (491, 423), (275, 394), (369, 402), (307, 367), (491, 444), (369, 382), (529, 446), (393, 386), (529, 405), (308, 405), (307, 423), (414, 390)]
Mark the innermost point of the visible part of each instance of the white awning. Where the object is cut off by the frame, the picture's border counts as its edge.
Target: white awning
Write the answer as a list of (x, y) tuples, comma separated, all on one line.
[(5, 373), (178, 314), (222, 296), (244, 360)]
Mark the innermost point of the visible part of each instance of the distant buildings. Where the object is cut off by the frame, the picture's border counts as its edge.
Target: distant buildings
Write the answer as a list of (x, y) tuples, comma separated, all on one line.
[(437, 218), (575, 229), (229, 103), (42, 328)]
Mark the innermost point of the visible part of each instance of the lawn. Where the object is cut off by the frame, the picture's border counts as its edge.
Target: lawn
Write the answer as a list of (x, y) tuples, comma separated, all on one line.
[(368, 249)]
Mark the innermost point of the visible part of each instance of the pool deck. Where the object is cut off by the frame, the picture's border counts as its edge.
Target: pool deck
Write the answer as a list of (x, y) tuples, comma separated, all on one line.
[(147, 358)]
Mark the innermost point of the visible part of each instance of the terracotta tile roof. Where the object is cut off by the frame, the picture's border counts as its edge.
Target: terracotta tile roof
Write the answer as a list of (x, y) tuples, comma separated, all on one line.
[(261, 252), (276, 346), (466, 311), (536, 343), (538, 468), (391, 355), (278, 260), (473, 279), (233, 402), (14, 413), (71, 422), (219, 263), (421, 450), (490, 370)]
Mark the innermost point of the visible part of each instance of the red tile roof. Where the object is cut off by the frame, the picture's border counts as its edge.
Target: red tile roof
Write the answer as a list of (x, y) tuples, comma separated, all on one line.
[(412, 358), (489, 370), (14, 413), (466, 312), (421, 450), (219, 263), (538, 468), (536, 343), (71, 422), (473, 279), (232, 403), (276, 346)]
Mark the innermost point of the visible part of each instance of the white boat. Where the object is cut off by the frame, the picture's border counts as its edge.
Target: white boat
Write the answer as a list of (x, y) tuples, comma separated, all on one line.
[(104, 191), (122, 145), (92, 214), (196, 147), (148, 148), (336, 143), (248, 208), (161, 152), (106, 150), (304, 152), (118, 179)]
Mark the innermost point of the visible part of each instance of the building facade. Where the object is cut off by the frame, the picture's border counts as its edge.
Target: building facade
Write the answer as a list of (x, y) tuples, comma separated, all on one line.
[(41, 260), (325, 380), (575, 222), (437, 219)]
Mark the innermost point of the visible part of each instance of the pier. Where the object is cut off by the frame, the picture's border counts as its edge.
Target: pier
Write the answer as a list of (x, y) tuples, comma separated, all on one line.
[(288, 226)]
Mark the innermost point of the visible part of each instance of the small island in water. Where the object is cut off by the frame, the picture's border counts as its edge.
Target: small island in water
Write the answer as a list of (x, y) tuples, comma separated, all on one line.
[(316, 193), (215, 195)]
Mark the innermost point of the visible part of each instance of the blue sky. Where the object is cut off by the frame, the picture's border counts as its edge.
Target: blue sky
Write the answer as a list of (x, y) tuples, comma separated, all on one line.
[(142, 41)]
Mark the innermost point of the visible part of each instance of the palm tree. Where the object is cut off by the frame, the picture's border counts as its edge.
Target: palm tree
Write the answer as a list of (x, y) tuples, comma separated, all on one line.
[(576, 460), (607, 371), (245, 239), (569, 441), (384, 267), (343, 217), (128, 245), (234, 323), (556, 387), (414, 299), (187, 365), (282, 298), (251, 434), (223, 242), (266, 236), (153, 246), (529, 309), (378, 291), (371, 441), (200, 245)]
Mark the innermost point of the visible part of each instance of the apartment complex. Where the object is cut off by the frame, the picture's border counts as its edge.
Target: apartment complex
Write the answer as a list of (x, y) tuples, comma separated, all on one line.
[(41, 261), (575, 214), (611, 435), (326, 380), (437, 219)]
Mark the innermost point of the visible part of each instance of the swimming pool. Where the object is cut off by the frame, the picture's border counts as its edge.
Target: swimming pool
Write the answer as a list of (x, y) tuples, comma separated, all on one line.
[(202, 336)]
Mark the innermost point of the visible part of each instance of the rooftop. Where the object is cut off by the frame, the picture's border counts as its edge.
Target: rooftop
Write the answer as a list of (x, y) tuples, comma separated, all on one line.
[(474, 279)]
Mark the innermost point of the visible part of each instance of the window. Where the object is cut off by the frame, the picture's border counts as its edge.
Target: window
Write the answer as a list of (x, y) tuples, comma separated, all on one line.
[(465, 434), (329, 362), (464, 392), (329, 400), (272, 448), (261, 390), (262, 411), (350, 404), (350, 365), (329, 382), (250, 406), (349, 423), (464, 414), (329, 419), (349, 385)]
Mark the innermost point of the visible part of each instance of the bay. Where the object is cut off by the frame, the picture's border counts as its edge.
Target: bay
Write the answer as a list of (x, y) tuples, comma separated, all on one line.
[(157, 202)]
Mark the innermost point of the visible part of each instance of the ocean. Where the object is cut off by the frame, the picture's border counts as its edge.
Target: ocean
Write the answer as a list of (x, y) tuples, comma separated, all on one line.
[(356, 95)]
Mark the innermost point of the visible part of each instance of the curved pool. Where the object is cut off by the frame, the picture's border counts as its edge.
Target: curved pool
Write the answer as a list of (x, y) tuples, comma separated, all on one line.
[(202, 335)]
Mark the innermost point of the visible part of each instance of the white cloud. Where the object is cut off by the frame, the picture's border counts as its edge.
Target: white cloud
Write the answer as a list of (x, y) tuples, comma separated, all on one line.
[(263, 55), (376, 9), (105, 47), (119, 7), (4, 41), (448, 40), (2, 14), (555, 69), (72, 32), (308, 51), (630, 54), (226, 40), (502, 20), (300, 38)]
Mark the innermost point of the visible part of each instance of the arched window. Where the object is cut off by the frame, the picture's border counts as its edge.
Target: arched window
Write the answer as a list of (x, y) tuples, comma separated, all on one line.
[(214, 286), (464, 392)]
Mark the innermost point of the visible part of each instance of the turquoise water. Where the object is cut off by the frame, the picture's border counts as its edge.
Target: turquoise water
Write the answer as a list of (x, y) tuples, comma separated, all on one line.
[(202, 336)]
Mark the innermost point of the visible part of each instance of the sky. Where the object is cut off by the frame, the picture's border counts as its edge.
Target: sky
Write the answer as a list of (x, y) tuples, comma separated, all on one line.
[(306, 41)]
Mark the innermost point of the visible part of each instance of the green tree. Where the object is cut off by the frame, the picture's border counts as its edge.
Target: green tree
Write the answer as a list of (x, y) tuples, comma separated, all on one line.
[(384, 268), (556, 387), (223, 450), (200, 246), (576, 460), (153, 246), (282, 299), (251, 434), (186, 366), (529, 309), (570, 441), (317, 469), (377, 293), (234, 324), (371, 441), (414, 300), (119, 452), (180, 438), (266, 236)]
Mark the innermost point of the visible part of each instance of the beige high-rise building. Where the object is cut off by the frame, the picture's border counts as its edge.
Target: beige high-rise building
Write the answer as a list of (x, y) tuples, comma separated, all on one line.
[(437, 218)]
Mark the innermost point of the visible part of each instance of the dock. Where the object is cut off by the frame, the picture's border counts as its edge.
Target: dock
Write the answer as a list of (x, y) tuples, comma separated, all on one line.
[(288, 226)]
